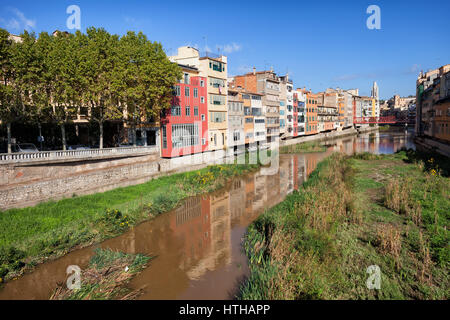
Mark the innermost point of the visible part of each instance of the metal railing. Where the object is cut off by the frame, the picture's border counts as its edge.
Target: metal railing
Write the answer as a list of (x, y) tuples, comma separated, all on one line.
[(9, 158)]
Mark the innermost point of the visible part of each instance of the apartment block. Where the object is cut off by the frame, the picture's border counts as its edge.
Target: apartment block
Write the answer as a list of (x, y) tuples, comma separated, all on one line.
[(236, 133), (286, 99), (433, 104), (214, 69), (312, 126), (184, 127), (301, 112), (327, 116), (267, 84)]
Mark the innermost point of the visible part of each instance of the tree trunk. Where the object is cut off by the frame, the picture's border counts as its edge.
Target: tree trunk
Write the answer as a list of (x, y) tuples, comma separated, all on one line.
[(8, 129), (101, 135), (133, 134), (63, 135), (40, 134)]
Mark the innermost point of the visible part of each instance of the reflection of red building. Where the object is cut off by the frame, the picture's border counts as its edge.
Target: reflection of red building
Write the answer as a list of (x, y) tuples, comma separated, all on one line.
[(184, 127), (192, 225)]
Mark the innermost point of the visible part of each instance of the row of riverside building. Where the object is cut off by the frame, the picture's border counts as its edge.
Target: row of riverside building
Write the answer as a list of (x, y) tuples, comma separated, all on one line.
[(211, 111), (433, 104)]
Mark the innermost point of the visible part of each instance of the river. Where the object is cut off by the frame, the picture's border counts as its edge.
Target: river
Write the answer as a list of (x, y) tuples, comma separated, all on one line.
[(197, 246)]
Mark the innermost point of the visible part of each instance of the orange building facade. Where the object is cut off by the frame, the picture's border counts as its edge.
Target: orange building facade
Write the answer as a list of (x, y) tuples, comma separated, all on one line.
[(312, 124)]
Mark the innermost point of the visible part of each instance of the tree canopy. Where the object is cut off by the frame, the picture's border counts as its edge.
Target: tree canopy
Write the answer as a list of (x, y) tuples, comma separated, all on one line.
[(50, 77)]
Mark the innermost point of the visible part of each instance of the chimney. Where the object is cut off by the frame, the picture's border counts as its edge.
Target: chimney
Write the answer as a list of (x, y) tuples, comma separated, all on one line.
[(254, 70)]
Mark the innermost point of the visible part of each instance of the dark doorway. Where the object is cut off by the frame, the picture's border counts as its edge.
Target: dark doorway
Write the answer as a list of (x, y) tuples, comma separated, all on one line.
[(151, 138)]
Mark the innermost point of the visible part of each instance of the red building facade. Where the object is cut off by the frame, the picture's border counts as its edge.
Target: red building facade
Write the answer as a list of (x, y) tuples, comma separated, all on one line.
[(184, 127)]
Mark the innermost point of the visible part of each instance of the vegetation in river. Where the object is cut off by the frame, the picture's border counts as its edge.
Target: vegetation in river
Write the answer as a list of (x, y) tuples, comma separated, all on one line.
[(31, 235), (106, 277), (354, 212), (303, 147)]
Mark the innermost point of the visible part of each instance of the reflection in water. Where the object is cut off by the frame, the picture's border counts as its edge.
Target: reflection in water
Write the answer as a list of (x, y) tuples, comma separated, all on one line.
[(197, 247)]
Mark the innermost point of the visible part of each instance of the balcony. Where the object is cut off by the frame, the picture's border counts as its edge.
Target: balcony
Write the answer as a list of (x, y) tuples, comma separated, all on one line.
[(256, 112)]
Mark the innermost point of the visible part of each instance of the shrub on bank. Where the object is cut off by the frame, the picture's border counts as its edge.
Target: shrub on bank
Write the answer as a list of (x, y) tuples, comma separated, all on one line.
[(351, 213)]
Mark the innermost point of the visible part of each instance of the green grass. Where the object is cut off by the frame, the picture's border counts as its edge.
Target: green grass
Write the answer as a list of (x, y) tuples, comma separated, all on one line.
[(318, 243), (32, 235), (106, 277), (303, 147)]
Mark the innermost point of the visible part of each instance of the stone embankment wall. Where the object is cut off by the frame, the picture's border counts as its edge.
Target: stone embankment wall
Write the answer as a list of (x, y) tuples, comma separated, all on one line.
[(433, 145), (326, 135), (22, 186), (27, 185)]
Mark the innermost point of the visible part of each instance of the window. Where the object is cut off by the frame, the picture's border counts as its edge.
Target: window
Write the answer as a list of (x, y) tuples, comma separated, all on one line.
[(217, 99), (177, 91), (216, 83), (217, 66), (203, 117), (175, 111), (195, 93), (188, 111), (202, 83), (164, 137), (202, 99), (217, 117), (248, 120), (185, 135), (195, 111), (186, 78)]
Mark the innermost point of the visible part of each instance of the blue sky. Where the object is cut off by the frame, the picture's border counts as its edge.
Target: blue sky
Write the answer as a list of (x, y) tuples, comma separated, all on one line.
[(320, 43)]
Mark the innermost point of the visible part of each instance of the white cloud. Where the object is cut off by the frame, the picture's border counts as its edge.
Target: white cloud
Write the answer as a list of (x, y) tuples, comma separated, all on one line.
[(414, 69), (129, 20), (347, 77), (229, 48), (18, 22), (242, 69)]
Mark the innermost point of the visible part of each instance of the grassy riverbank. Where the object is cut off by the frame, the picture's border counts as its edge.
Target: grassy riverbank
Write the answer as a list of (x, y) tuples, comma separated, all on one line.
[(32, 235), (106, 277), (303, 147), (353, 212)]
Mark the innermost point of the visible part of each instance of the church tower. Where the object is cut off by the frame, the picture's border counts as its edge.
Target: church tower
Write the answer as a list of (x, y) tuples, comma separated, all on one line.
[(375, 90)]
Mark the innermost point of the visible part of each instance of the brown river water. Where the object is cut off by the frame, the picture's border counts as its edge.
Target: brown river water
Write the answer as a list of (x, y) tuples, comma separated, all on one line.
[(197, 246)]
